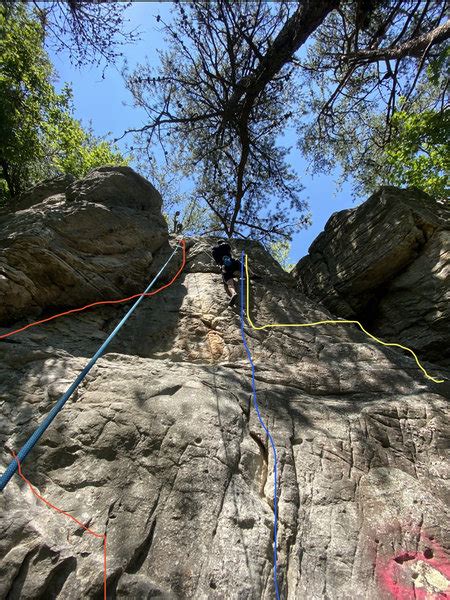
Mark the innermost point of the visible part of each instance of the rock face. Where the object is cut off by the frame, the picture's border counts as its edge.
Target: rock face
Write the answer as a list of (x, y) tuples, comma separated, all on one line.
[(161, 448), (95, 243), (44, 190), (386, 263)]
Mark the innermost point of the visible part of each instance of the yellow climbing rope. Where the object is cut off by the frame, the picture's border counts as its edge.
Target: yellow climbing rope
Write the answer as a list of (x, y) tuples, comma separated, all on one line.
[(328, 322)]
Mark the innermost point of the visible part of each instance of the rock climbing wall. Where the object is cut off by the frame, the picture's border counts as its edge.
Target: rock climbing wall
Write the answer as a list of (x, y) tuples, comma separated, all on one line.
[(387, 263), (161, 447)]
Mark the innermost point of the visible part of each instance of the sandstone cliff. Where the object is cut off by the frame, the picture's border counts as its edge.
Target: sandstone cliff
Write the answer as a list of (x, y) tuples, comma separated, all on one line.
[(387, 264), (161, 446)]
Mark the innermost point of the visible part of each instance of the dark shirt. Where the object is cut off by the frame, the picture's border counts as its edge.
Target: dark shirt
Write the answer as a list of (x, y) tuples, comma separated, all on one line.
[(219, 252)]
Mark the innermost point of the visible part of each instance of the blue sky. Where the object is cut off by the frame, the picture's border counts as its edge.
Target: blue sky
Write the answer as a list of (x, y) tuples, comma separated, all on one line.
[(108, 106)]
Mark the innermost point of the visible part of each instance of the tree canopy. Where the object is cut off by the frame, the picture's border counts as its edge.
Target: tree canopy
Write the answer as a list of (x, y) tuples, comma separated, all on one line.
[(203, 107), (236, 75), (27, 97), (90, 32), (364, 82), (361, 69), (418, 153), (39, 136), (72, 148)]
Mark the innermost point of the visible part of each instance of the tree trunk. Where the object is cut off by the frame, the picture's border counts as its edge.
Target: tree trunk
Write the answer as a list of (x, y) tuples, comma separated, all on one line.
[(306, 19), (245, 149)]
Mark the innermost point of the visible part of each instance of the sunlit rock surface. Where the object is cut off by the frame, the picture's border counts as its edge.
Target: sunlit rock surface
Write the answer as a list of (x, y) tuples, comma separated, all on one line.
[(387, 264), (161, 448), (95, 240)]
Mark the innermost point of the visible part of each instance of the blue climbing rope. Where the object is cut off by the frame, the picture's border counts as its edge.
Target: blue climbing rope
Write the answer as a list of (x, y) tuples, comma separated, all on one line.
[(33, 439), (272, 443)]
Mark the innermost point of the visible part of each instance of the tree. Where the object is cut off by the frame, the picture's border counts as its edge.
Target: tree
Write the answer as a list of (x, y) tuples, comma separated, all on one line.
[(90, 32), (231, 82), (419, 151), (39, 137), (203, 100), (280, 250), (361, 71), (73, 149), (27, 96), (180, 209)]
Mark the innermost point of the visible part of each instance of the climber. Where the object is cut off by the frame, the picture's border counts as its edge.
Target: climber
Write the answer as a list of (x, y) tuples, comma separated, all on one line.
[(229, 266), (177, 226)]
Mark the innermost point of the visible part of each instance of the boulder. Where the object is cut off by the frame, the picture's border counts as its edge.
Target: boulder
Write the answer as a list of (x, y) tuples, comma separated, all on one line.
[(120, 188), (386, 263), (65, 252)]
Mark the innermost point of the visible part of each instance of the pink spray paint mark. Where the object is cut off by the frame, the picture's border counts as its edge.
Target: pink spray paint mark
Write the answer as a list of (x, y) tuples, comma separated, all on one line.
[(402, 575)]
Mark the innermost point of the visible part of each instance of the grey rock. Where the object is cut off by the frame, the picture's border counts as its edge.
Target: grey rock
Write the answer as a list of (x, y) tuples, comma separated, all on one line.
[(118, 187), (386, 263), (161, 447), (43, 190), (67, 253)]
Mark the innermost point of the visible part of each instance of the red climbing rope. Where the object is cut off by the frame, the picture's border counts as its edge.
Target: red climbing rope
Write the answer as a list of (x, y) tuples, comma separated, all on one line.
[(75, 310), (63, 512), (47, 502)]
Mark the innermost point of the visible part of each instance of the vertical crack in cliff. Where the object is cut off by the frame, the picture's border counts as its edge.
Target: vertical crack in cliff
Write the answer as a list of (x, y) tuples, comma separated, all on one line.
[(232, 462), (58, 576), (142, 551), (17, 583), (58, 573), (264, 460), (291, 539)]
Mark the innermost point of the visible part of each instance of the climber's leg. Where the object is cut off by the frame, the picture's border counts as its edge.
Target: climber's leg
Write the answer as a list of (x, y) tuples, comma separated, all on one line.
[(227, 289), (229, 282), (230, 288), (233, 300)]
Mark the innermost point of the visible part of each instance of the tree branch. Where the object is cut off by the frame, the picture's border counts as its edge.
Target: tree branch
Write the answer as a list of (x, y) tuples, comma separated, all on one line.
[(292, 36), (413, 47), (263, 229)]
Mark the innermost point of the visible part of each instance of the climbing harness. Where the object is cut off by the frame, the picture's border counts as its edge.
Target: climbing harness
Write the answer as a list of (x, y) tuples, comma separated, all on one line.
[(33, 439)]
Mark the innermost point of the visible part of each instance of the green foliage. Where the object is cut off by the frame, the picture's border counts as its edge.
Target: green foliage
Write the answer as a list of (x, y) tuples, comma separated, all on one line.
[(378, 119), (280, 250), (27, 97), (76, 150), (419, 151), (39, 137), (439, 67)]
